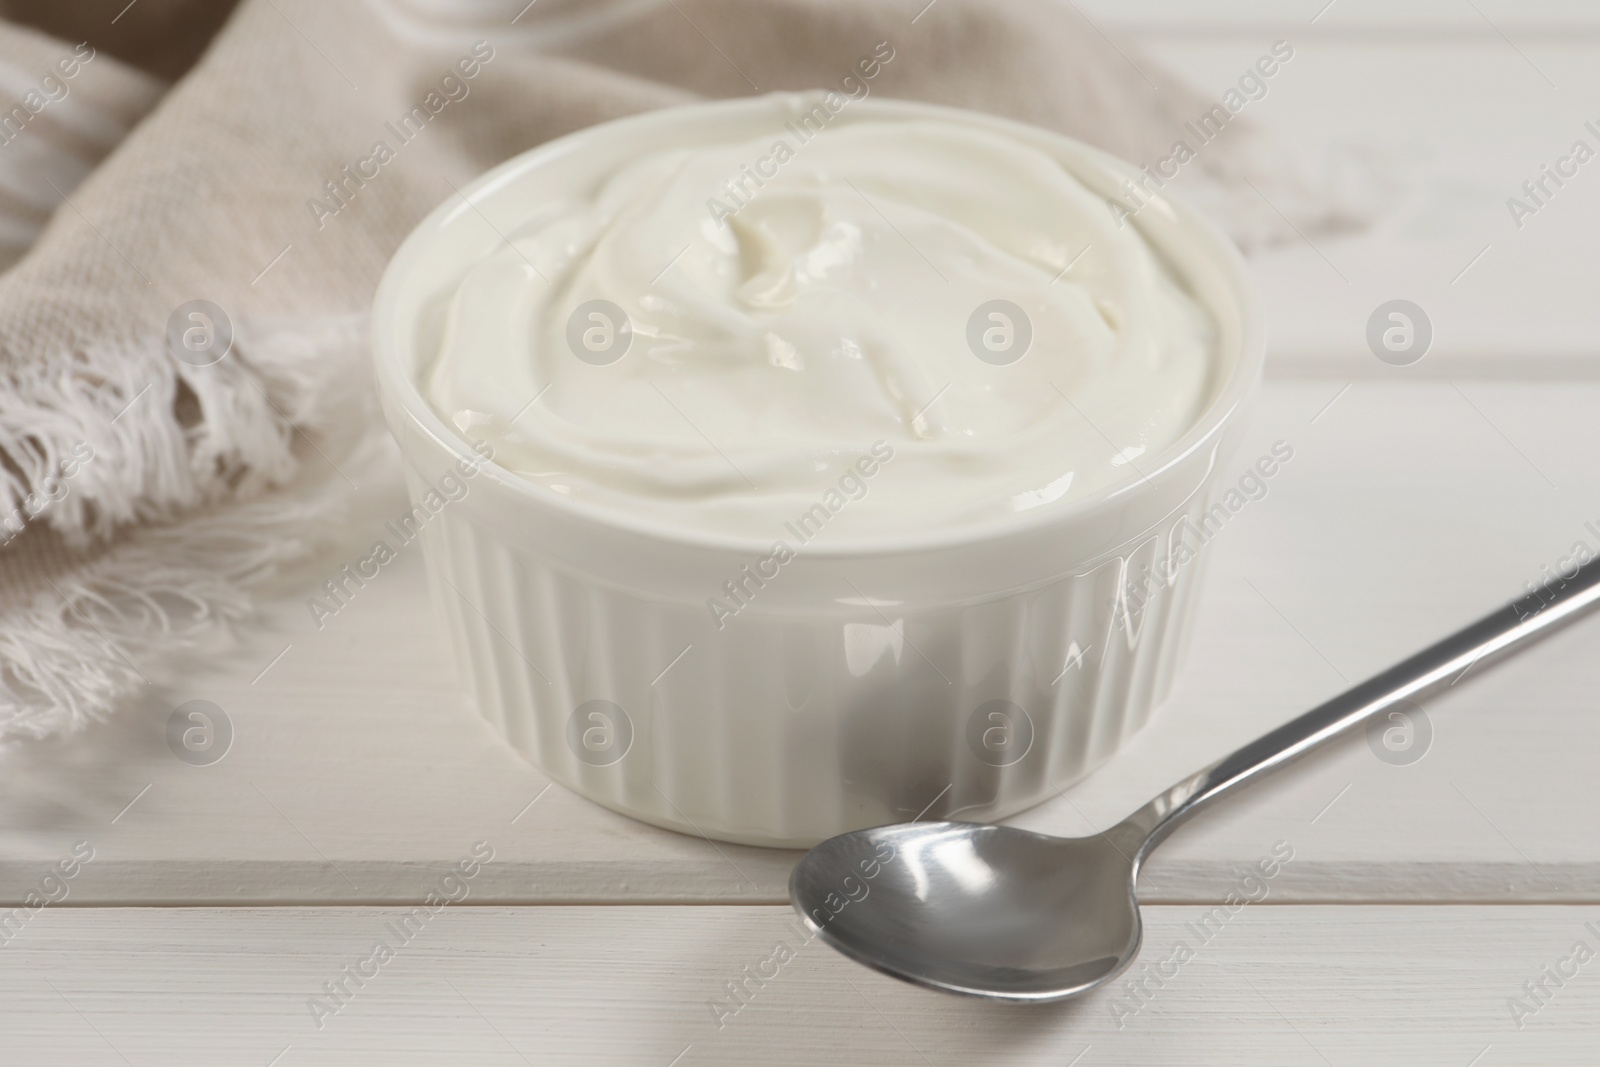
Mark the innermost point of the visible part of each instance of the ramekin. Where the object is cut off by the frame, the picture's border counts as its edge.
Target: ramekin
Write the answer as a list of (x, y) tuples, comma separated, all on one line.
[(966, 674)]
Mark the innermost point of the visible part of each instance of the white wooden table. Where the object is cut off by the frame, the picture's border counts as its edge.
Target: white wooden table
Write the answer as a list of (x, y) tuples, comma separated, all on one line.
[(1421, 897)]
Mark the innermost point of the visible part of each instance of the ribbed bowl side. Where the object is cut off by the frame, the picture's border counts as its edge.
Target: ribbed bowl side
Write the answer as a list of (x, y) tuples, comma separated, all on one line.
[(784, 730)]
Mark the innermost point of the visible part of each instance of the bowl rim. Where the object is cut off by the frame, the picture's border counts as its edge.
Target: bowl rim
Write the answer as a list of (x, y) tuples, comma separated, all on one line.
[(401, 386)]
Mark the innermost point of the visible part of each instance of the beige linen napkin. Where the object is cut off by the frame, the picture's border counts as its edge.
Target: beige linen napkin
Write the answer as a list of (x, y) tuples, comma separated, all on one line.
[(159, 456)]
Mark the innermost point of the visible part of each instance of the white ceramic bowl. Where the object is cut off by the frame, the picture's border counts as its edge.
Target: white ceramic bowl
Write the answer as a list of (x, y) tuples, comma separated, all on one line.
[(966, 674)]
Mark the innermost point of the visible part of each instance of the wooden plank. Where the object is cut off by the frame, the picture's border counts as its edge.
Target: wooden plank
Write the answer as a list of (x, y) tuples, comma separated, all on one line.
[(632, 985), (357, 769)]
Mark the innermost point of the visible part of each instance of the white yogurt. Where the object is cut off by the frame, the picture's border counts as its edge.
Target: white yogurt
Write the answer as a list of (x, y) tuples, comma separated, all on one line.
[(807, 306)]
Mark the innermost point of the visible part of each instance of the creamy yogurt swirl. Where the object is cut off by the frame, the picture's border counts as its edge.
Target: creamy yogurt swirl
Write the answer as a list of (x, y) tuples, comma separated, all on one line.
[(932, 289)]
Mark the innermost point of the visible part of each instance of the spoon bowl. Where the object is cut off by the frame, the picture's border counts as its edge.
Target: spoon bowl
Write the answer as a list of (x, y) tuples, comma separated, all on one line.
[(990, 911)]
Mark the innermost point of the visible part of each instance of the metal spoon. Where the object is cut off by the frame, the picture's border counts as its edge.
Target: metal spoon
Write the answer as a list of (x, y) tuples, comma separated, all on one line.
[(993, 911)]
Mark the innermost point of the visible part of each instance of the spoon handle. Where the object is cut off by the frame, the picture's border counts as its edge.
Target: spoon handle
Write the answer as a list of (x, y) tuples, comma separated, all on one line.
[(1512, 626)]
